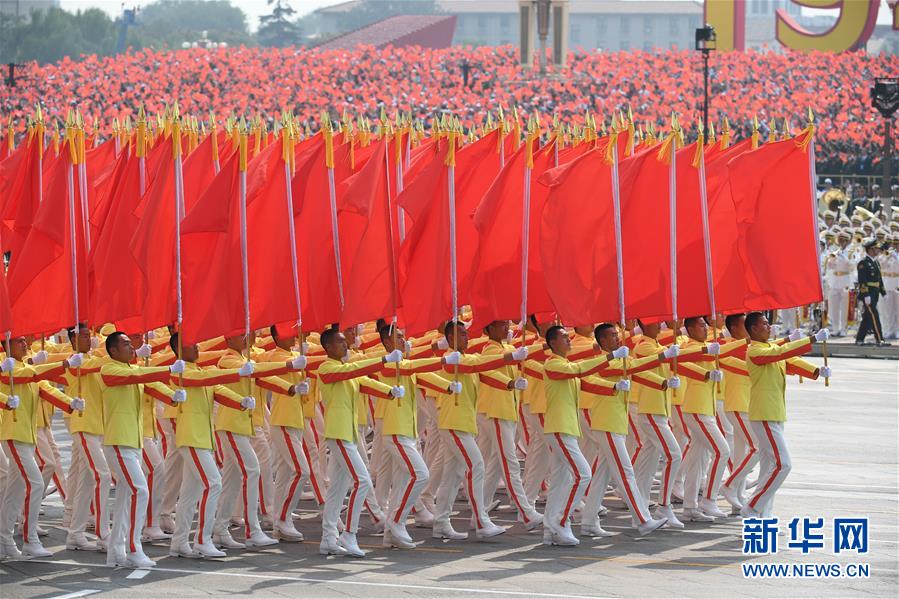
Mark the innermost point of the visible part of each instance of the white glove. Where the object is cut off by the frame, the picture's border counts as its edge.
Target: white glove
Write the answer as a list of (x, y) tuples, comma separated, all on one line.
[(95, 342), (302, 388), (304, 348), (78, 404), (520, 354), (663, 326), (713, 348), (393, 357), (75, 360), (510, 336), (452, 358), (13, 402), (795, 335), (623, 385), (867, 300), (177, 367), (298, 363), (638, 331), (151, 334), (822, 335), (7, 365), (248, 403), (683, 331), (455, 387), (39, 358), (716, 376), (826, 372), (520, 384), (674, 382), (143, 351), (408, 348), (621, 352), (180, 396), (248, 368), (357, 342), (671, 352), (442, 343), (398, 391)]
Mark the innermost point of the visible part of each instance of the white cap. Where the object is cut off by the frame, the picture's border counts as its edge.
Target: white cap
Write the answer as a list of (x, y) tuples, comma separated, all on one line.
[(828, 180)]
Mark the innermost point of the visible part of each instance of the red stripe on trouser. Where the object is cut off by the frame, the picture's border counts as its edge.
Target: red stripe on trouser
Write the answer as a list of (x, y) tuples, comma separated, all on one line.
[(637, 439), (98, 507), (312, 477), (730, 464), (774, 473), (683, 424), (374, 516), (297, 477), (627, 487), (577, 481), (469, 477), (127, 476), (41, 463), (509, 487), (202, 517), (593, 468), (150, 471), (243, 472), (543, 486), (749, 453), (165, 443), (26, 514), (315, 433), (59, 486), (40, 458), (708, 491), (663, 500), (524, 425), (587, 417), (262, 495), (412, 479), (349, 512)]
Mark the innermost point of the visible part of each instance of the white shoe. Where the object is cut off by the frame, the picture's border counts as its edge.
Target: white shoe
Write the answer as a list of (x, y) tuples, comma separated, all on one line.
[(286, 531), (41, 531), (116, 559), (102, 546), (493, 505), (446, 531), (751, 484), (79, 542), (227, 541), (267, 522), (594, 530), (138, 559), (748, 512), (424, 518), (392, 541), (603, 510), (260, 539), (183, 550), (534, 520), (237, 522), (330, 546), (732, 497), (348, 541), (694, 515), (207, 550), (665, 512), (651, 525), (490, 530), (34, 550), (710, 508), (562, 538), (398, 531), (167, 524), (155, 533), (10, 551)]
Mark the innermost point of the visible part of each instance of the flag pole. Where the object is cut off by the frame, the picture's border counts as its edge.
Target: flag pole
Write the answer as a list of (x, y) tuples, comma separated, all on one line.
[(672, 229), (525, 230), (616, 217), (287, 156), (70, 192), (813, 177), (12, 382), (706, 240), (332, 197), (244, 262), (451, 189), (179, 208), (394, 284)]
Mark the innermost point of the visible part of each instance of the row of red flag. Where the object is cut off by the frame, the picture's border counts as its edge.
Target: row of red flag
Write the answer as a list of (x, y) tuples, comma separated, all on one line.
[(325, 230)]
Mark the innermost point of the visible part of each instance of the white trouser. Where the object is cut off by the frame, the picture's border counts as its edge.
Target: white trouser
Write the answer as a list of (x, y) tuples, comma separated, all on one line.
[(506, 464), (486, 443), (240, 481), (707, 442), (318, 425), (347, 474), (312, 449), (173, 465), (433, 449), (838, 308), (745, 455), (536, 465), (522, 434), (658, 443), (201, 482), (634, 440), (568, 481), (587, 440), (130, 501), (774, 463), (23, 493), (408, 478), (371, 502), (262, 446), (726, 429), (291, 470), (889, 308), (4, 470), (91, 485), (381, 467), (681, 432), (615, 464), (463, 461), (154, 470), (48, 459)]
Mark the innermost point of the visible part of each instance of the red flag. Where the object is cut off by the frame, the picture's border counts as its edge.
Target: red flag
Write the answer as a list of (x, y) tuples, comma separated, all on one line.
[(772, 186), (47, 257), (497, 286), (6, 324), (692, 275), (21, 187)]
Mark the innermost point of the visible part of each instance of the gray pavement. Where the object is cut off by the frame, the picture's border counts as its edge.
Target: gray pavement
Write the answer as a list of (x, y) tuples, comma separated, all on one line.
[(844, 442)]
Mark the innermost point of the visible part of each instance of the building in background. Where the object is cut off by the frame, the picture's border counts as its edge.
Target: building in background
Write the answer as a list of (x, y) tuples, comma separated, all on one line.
[(23, 8)]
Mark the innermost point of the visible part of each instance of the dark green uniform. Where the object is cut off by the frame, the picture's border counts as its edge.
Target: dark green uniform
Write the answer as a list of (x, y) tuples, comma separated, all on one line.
[(870, 288)]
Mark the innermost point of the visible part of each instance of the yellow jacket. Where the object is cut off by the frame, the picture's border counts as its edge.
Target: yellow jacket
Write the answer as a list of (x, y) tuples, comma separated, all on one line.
[(194, 423), (768, 364), (91, 420), (286, 410), (561, 383), (736, 384), (122, 387), (609, 407), (496, 402), (581, 344), (458, 412), (266, 378), (31, 384), (166, 357), (400, 416), (340, 386)]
